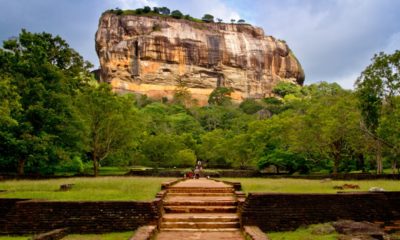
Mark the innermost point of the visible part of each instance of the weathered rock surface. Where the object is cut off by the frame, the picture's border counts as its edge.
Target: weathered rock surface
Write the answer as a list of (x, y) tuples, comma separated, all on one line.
[(359, 230), (148, 55)]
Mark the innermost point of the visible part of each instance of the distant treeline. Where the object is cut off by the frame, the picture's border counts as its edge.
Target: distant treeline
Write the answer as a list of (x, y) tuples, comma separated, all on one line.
[(54, 117)]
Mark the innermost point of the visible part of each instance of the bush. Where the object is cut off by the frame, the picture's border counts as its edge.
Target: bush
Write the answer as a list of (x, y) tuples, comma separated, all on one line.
[(284, 88), (208, 18), (250, 106), (146, 9), (185, 158), (75, 165), (176, 14)]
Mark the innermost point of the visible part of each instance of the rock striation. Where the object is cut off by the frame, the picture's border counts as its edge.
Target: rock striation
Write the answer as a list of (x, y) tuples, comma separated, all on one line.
[(150, 54)]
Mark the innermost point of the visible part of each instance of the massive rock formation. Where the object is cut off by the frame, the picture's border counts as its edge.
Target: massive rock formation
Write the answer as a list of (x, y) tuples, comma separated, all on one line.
[(148, 55)]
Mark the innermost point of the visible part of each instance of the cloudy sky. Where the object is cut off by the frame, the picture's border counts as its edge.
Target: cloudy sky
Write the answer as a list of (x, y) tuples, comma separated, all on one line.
[(333, 39)]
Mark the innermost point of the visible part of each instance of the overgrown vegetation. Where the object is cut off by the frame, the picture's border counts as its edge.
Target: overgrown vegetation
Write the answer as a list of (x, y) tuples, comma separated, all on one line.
[(304, 233), (166, 12), (56, 118)]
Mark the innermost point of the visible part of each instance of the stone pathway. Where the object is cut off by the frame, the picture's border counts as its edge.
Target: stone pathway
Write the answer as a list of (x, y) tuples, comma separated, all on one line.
[(200, 209)]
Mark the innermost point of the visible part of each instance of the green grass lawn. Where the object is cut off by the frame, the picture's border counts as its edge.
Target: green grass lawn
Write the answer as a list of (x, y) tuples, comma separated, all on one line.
[(107, 236), (287, 185), (85, 189), (302, 234), (14, 238)]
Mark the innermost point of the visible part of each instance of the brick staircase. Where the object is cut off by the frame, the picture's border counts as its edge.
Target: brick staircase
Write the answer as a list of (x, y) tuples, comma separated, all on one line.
[(198, 207)]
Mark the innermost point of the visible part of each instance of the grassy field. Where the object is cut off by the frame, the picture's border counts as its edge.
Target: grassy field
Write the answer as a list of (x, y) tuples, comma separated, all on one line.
[(145, 188), (14, 238), (91, 189), (107, 236), (286, 185), (302, 234)]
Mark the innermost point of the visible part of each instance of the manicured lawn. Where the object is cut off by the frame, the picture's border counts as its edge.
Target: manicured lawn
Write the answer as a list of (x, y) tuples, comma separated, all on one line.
[(87, 189), (301, 234), (108, 236), (286, 185), (13, 238)]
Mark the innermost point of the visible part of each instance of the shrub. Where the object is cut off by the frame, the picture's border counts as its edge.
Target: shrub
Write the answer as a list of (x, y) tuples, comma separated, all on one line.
[(176, 14), (146, 9), (208, 18), (185, 158)]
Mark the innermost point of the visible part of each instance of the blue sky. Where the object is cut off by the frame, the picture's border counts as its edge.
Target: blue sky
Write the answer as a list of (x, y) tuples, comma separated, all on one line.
[(333, 39)]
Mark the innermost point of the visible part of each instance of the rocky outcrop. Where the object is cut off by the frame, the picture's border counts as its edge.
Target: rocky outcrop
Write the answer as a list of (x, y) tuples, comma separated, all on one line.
[(149, 54)]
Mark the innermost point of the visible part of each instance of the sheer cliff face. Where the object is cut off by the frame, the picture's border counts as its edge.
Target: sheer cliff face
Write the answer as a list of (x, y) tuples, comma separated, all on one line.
[(147, 55)]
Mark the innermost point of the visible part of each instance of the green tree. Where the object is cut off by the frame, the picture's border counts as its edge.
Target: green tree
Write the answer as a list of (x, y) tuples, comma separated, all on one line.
[(161, 150), (182, 94), (111, 123), (146, 9), (208, 18), (220, 96), (43, 73), (185, 158), (377, 88), (213, 149), (250, 106), (284, 88), (389, 131), (176, 14), (164, 10), (182, 123), (243, 150)]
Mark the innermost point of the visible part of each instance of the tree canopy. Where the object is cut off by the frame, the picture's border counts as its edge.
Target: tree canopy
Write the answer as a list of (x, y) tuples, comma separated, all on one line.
[(55, 117)]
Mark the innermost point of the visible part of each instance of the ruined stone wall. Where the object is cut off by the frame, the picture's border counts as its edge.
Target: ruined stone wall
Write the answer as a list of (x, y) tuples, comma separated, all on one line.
[(277, 212), (19, 216)]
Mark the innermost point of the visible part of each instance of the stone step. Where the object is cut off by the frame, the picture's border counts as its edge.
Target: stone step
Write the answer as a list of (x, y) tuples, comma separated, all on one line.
[(200, 203), (200, 217), (200, 225), (200, 190), (199, 230), (170, 198), (199, 194), (200, 209)]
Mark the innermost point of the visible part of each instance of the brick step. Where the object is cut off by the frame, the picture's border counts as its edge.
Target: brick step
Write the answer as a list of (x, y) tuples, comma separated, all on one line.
[(200, 203), (200, 217), (200, 229), (200, 190), (200, 194), (391, 228), (170, 198), (200, 209), (201, 225)]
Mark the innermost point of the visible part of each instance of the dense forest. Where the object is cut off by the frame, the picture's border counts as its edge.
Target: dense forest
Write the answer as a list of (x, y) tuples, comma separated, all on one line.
[(55, 117)]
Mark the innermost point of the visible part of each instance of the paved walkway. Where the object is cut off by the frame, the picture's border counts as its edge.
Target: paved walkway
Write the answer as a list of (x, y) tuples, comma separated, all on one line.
[(200, 183)]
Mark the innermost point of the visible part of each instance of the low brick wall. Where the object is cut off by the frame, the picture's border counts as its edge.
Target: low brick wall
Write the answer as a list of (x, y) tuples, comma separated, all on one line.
[(34, 216), (277, 212), (235, 173)]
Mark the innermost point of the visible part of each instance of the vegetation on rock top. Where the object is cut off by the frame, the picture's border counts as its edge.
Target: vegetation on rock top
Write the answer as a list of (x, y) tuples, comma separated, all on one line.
[(166, 12)]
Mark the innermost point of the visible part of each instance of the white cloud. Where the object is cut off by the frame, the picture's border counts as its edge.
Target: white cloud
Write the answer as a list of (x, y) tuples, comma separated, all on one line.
[(334, 40), (393, 43)]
